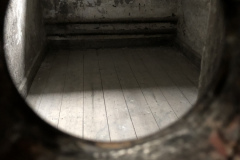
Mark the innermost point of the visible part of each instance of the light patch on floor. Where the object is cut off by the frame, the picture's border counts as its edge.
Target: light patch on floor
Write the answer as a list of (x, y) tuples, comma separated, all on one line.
[(114, 94)]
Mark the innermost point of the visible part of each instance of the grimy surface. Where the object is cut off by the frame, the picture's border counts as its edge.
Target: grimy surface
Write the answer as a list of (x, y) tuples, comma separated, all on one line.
[(114, 94)]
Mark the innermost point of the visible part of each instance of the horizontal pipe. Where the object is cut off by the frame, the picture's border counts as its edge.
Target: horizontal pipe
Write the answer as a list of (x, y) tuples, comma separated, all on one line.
[(170, 19)]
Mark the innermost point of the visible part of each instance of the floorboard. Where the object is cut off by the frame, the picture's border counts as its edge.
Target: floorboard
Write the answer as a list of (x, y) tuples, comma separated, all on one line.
[(176, 74), (140, 112), (188, 69), (95, 116), (170, 91), (114, 94), (120, 123), (35, 94), (51, 102), (71, 112), (162, 111)]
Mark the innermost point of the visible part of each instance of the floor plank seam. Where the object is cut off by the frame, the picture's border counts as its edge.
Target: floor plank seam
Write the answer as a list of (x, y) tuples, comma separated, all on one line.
[(37, 110), (124, 98), (193, 66), (63, 90), (103, 95), (83, 96), (143, 62), (193, 83), (174, 82), (141, 90)]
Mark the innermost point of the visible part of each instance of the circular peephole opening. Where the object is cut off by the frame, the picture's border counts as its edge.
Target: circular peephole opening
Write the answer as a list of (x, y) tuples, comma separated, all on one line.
[(121, 77)]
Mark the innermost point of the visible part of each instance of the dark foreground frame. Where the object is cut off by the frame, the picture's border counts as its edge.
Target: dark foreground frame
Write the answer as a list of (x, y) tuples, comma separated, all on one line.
[(210, 131)]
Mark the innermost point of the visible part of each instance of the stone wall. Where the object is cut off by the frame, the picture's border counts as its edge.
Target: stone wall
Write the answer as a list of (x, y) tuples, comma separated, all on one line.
[(24, 38), (78, 10)]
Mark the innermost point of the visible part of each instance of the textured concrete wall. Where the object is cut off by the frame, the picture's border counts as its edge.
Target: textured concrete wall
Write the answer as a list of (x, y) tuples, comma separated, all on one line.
[(193, 24), (201, 31), (77, 10), (214, 46), (24, 38)]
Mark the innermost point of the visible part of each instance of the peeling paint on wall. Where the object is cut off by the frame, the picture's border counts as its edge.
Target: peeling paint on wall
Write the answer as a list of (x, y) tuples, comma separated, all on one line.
[(77, 10)]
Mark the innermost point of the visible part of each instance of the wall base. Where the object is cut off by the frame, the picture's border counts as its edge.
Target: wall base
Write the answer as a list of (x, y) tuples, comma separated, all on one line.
[(187, 51), (32, 71)]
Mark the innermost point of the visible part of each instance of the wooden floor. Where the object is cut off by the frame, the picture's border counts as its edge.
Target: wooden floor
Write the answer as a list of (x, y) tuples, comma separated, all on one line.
[(114, 94)]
